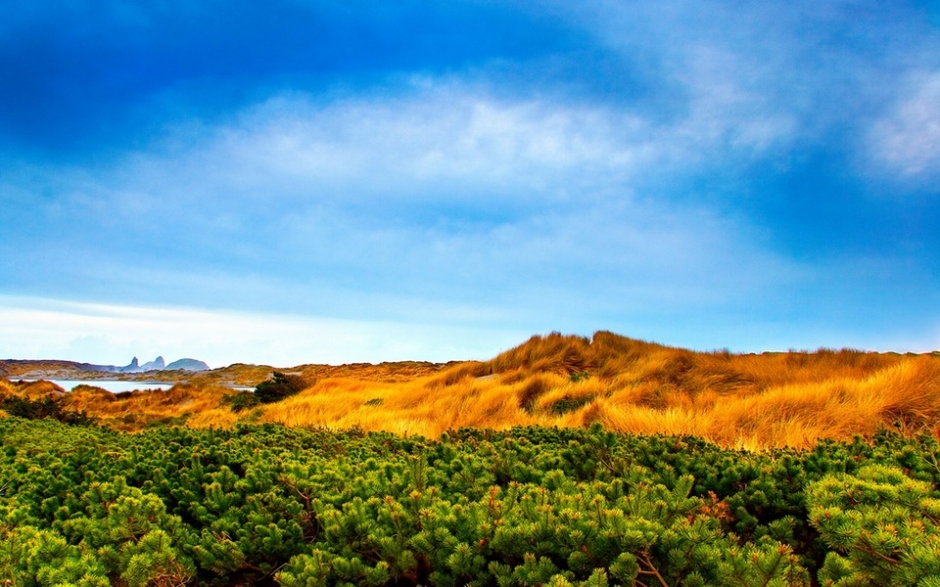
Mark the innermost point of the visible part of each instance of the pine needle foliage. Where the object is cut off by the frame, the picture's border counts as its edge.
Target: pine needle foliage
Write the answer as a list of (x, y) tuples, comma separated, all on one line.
[(527, 506)]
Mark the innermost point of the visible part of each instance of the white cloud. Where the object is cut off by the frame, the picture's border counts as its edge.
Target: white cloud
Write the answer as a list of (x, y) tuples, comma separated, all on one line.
[(442, 140), (112, 334), (441, 195), (786, 77), (907, 140), (733, 76), (732, 105)]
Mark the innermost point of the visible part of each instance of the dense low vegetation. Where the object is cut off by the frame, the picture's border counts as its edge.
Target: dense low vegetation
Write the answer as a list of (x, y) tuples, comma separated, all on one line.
[(87, 506)]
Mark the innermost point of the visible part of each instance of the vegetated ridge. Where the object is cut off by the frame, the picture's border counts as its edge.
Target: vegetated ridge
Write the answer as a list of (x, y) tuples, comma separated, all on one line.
[(735, 400), (191, 371)]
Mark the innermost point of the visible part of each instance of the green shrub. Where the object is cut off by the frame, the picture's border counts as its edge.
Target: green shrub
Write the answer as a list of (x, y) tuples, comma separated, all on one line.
[(279, 387), (882, 526), (243, 400), (44, 408), (579, 376), (569, 404)]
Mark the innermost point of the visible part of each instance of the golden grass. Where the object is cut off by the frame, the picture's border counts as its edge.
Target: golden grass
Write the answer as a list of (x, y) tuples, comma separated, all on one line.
[(135, 410), (745, 401), (6, 389), (39, 389)]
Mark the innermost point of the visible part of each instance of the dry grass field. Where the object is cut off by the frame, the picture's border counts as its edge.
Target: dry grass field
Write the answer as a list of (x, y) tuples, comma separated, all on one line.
[(741, 401)]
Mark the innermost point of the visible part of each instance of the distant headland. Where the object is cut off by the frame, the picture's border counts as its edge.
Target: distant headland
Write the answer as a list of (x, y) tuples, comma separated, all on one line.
[(59, 368)]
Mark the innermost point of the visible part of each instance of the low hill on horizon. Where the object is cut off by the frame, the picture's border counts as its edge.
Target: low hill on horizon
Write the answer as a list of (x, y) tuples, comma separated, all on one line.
[(237, 374), (64, 369)]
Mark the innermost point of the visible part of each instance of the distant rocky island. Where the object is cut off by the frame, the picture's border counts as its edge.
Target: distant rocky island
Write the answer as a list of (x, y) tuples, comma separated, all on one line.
[(157, 364)]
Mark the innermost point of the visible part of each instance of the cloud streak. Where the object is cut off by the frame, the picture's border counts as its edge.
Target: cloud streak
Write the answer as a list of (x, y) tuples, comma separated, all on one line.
[(104, 333), (907, 140), (444, 185)]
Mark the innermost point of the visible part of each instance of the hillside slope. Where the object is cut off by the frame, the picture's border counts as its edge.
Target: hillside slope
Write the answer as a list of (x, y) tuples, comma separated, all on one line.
[(742, 401), (747, 401)]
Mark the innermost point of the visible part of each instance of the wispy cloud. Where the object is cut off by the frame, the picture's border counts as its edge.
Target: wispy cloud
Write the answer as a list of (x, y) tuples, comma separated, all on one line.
[(446, 189), (109, 333), (907, 140), (799, 74)]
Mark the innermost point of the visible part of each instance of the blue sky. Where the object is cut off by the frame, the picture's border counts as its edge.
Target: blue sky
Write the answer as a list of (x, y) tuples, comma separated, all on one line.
[(294, 182)]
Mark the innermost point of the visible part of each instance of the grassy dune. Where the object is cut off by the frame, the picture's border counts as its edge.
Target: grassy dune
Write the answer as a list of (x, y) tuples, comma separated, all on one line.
[(746, 401), (741, 401)]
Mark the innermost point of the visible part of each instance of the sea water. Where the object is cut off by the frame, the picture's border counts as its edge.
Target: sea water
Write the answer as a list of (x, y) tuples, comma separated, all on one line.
[(112, 386)]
